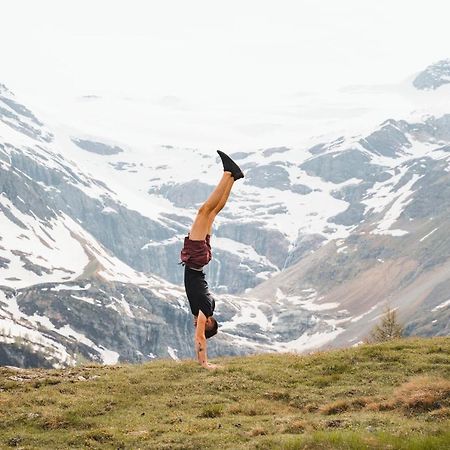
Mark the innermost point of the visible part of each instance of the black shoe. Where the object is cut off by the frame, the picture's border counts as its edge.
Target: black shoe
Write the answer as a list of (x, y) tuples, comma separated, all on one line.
[(230, 166)]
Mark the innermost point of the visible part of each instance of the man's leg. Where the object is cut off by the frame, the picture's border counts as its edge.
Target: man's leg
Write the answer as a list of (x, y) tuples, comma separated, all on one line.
[(208, 211), (220, 205)]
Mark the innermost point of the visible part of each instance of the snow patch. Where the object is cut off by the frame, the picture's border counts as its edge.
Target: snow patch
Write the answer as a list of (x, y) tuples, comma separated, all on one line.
[(310, 341), (429, 234), (441, 306), (377, 197), (108, 210), (173, 353)]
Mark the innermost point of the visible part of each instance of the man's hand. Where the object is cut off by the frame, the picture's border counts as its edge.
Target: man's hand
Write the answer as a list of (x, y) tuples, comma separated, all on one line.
[(210, 366), (200, 343)]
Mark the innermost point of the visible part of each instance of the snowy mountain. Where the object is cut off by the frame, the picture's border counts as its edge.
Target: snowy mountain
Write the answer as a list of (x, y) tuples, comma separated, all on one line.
[(434, 76), (396, 182), (325, 233)]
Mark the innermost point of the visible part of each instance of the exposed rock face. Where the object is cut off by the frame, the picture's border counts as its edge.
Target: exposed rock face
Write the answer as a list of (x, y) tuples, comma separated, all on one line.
[(432, 317), (97, 147), (21, 355), (365, 272), (343, 166), (389, 140), (126, 319), (271, 151), (434, 76), (268, 242), (125, 232), (20, 118), (272, 176), (432, 129), (185, 195), (102, 322), (324, 147), (352, 194), (228, 273), (304, 245), (240, 155)]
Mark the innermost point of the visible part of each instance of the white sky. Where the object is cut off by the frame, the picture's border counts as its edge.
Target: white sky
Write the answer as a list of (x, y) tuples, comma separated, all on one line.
[(207, 55)]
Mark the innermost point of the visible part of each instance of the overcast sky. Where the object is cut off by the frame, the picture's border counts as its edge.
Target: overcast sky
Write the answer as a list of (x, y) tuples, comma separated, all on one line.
[(241, 53)]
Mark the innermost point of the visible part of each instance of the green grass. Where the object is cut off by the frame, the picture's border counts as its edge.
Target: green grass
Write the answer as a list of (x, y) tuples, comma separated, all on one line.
[(384, 396)]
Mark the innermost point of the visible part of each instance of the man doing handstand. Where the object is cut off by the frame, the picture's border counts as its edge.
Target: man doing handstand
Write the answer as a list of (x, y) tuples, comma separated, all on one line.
[(196, 254)]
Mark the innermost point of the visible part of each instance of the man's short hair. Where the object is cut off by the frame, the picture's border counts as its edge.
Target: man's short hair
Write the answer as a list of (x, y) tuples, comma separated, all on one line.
[(213, 331)]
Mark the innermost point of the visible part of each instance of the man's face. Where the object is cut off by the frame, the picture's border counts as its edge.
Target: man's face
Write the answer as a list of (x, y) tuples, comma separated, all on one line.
[(209, 324)]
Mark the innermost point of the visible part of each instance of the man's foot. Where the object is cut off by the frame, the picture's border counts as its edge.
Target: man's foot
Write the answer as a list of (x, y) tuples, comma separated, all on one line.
[(230, 166)]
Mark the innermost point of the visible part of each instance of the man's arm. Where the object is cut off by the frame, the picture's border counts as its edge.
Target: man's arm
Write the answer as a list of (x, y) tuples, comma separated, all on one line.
[(200, 339), (200, 342)]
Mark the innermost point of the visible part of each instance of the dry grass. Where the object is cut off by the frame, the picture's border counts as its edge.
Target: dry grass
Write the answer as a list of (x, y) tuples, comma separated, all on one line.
[(295, 426), (419, 394), (336, 407), (257, 431), (423, 393), (340, 406)]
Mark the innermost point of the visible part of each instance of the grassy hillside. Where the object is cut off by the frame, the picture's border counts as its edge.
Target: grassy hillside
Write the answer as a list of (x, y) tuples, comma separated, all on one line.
[(394, 395)]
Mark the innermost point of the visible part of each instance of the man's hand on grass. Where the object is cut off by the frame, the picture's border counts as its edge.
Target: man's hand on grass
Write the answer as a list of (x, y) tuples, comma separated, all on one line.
[(210, 366)]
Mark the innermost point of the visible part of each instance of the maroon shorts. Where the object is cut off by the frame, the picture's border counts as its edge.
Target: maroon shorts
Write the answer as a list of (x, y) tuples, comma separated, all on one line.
[(196, 254)]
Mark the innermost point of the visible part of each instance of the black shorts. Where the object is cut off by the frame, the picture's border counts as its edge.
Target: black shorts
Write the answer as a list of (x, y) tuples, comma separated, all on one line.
[(197, 292)]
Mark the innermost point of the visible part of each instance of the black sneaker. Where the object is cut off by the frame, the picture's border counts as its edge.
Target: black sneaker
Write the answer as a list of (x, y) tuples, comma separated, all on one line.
[(230, 166)]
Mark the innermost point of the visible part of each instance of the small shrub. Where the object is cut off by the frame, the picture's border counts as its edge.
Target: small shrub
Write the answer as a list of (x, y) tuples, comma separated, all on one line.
[(336, 368), (277, 395), (388, 329), (420, 394), (67, 390), (55, 423), (423, 394), (100, 436), (45, 382), (440, 414), (257, 431), (335, 423), (295, 427), (235, 409), (211, 411), (323, 381), (311, 407), (251, 410), (380, 406), (336, 407), (340, 406), (255, 408), (15, 441)]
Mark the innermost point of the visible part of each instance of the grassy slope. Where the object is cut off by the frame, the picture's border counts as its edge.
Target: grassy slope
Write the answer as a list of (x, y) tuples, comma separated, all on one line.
[(394, 395)]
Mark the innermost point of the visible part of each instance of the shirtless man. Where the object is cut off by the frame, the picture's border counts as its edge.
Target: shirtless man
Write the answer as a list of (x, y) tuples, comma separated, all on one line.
[(196, 254)]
